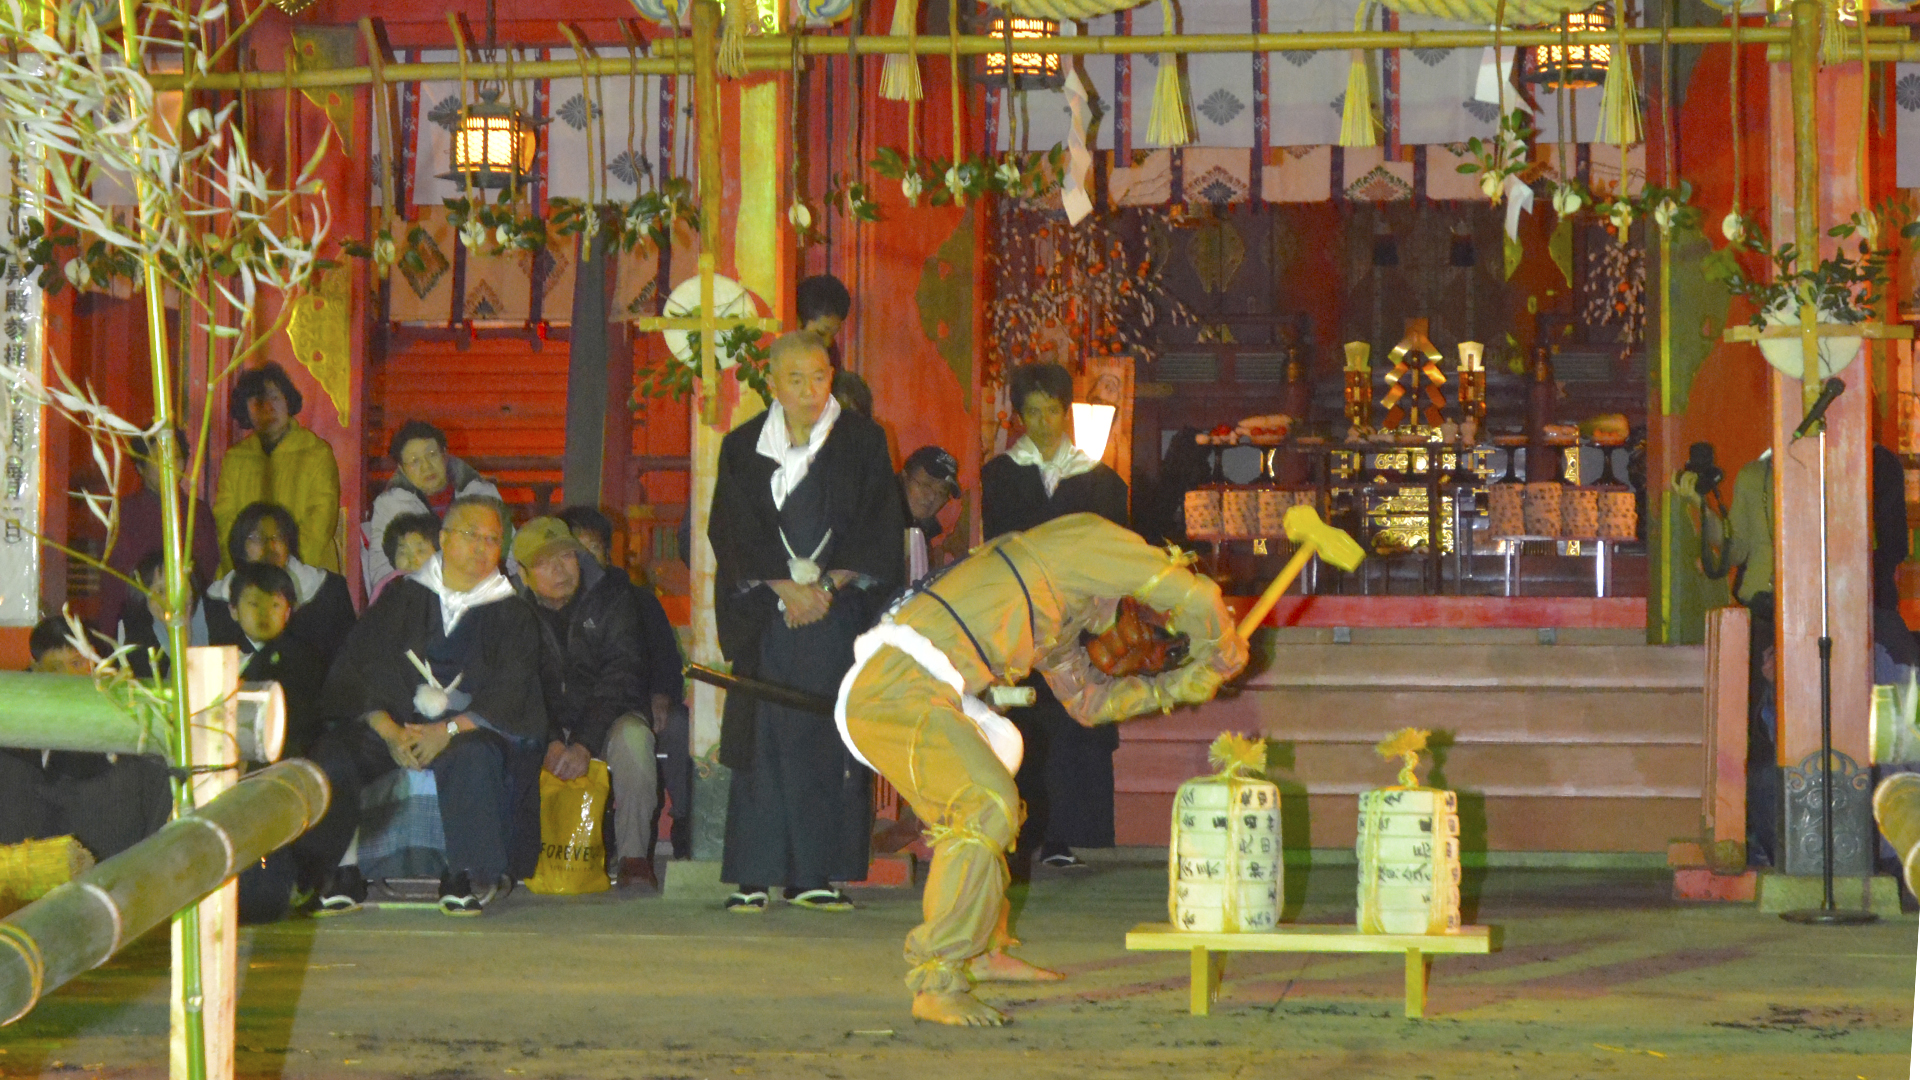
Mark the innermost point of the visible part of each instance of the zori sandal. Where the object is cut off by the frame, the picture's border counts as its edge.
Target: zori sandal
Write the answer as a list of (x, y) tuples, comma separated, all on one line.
[(822, 900)]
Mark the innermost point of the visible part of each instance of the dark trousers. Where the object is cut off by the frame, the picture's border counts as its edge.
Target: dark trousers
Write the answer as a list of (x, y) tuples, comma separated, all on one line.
[(477, 803), (673, 746), (1065, 780), (108, 806), (1764, 810)]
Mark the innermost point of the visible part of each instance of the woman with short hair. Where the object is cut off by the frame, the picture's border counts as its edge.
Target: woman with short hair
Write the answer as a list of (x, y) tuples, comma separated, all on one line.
[(323, 608), (281, 462), (426, 480)]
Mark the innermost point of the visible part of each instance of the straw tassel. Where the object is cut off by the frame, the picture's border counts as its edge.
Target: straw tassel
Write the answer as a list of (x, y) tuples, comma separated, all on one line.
[(1619, 99), (900, 73), (1170, 123), (732, 61), (1357, 121)]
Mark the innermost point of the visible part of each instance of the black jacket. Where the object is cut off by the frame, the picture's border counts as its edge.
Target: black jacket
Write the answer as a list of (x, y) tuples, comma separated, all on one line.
[(322, 622), (1014, 499), (597, 673), (301, 673), (869, 522), (502, 671)]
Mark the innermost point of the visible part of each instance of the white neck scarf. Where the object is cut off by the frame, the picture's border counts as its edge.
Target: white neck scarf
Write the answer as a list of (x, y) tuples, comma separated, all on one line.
[(1068, 460), (793, 461), (455, 605), (306, 583)]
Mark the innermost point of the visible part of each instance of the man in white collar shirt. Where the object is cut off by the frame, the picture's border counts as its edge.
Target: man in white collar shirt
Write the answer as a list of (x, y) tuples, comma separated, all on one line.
[(808, 532), (443, 673), (1066, 777)]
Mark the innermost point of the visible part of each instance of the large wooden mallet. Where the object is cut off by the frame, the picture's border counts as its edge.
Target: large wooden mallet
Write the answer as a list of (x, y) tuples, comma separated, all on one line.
[(1311, 536)]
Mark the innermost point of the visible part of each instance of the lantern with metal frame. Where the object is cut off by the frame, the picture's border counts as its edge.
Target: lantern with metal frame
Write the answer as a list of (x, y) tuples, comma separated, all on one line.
[(493, 141), (1030, 70), (1581, 62)]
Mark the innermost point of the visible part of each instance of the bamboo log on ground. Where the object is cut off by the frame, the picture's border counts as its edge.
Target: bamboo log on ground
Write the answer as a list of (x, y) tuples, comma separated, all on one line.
[(81, 924)]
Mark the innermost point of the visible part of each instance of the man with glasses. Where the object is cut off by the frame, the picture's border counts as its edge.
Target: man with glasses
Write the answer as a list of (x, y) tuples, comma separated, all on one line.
[(443, 674)]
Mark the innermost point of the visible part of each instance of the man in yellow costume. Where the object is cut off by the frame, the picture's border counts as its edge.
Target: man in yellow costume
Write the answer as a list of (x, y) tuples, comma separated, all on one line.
[(911, 708)]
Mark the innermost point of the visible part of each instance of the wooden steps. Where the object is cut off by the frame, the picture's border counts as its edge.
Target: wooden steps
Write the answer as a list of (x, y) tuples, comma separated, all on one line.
[(1589, 747)]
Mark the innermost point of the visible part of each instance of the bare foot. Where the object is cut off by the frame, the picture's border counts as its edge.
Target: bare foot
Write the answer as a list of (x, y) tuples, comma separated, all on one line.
[(1005, 967), (960, 1010)]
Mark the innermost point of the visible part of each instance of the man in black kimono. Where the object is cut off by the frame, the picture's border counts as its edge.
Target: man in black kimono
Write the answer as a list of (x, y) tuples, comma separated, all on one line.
[(808, 533), (1066, 777), (476, 722)]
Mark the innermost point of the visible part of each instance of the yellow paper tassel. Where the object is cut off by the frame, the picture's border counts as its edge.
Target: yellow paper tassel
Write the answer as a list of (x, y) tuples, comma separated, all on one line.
[(732, 60), (1170, 123), (900, 73), (1405, 744), (1619, 98), (1233, 754)]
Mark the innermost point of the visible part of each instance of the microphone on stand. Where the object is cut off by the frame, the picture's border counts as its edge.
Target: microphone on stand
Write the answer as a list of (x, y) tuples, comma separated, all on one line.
[(1818, 412)]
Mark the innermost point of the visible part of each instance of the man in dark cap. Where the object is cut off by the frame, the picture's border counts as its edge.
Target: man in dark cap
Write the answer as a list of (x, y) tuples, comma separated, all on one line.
[(929, 481)]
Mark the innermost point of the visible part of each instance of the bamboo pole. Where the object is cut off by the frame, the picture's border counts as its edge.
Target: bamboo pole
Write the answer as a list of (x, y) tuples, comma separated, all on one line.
[(706, 89), (1806, 181), (81, 924), (68, 712), (672, 56)]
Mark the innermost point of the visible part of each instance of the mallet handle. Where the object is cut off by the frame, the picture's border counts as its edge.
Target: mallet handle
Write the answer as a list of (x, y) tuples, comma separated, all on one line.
[(1258, 613)]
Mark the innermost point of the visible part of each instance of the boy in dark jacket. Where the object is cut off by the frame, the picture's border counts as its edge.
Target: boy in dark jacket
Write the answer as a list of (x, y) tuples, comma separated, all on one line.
[(264, 601)]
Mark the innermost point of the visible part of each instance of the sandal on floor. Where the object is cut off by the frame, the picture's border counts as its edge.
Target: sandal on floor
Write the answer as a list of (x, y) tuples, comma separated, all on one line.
[(747, 903), (822, 900)]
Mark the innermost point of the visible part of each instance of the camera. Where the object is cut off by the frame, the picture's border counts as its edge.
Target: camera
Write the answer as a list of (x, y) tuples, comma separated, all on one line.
[(1700, 464)]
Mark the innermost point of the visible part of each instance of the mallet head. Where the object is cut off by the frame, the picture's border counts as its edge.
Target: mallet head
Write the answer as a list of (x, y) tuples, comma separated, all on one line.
[(1334, 547)]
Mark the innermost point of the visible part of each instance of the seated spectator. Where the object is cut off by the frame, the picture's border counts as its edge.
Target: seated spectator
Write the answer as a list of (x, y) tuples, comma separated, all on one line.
[(263, 605), (281, 463), (324, 612), (108, 802), (597, 689), (142, 620), (426, 480), (662, 667), (443, 674), (929, 481), (139, 534), (410, 540)]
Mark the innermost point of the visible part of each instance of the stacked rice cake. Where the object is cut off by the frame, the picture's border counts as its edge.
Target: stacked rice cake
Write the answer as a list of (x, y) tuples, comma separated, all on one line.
[(1409, 852), (1225, 869)]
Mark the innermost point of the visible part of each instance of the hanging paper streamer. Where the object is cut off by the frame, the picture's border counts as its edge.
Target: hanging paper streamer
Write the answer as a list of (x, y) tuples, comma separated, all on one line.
[(1073, 196)]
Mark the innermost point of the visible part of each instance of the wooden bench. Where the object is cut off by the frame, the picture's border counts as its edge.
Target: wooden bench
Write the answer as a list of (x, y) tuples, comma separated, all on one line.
[(1209, 965)]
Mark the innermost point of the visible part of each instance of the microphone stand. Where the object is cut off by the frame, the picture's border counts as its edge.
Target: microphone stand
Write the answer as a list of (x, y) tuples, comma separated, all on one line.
[(1826, 914)]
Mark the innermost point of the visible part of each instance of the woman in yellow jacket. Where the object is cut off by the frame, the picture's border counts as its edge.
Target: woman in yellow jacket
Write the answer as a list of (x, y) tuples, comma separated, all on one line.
[(282, 463)]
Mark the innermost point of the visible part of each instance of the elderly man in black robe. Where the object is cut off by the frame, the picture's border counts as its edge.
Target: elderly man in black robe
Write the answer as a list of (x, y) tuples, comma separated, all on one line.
[(808, 536), (442, 673)]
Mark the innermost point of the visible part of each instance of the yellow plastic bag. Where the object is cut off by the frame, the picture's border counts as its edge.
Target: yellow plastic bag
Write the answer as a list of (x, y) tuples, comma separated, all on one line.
[(573, 857)]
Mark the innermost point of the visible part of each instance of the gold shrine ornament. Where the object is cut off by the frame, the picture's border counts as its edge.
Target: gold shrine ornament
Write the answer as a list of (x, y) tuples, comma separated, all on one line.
[(1405, 378)]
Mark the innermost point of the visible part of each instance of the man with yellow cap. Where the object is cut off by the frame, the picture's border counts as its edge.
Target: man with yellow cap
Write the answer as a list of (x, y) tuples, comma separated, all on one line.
[(911, 708), (596, 685)]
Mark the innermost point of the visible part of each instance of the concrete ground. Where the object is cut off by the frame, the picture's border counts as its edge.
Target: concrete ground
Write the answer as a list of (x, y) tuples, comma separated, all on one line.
[(1601, 977)]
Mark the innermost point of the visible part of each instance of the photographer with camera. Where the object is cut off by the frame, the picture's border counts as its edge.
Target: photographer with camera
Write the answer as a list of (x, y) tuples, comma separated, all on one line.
[(1738, 540)]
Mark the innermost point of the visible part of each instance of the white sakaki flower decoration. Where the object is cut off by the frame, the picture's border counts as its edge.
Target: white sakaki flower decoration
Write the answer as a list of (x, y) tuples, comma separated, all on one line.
[(1491, 185), (77, 272), (473, 234), (1621, 215), (1008, 174), (954, 183), (911, 186), (799, 216), (385, 252), (1866, 224), (1733, 227), (1567, 200), (503, 234), (1663, 214)]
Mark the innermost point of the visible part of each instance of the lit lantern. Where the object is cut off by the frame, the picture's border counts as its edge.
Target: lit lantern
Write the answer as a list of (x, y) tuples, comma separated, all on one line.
[(1577, 65), (1031, 70), (493, 145)]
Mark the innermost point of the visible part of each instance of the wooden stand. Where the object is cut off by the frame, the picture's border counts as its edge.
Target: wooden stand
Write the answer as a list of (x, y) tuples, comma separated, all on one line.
[(1210, 963)]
